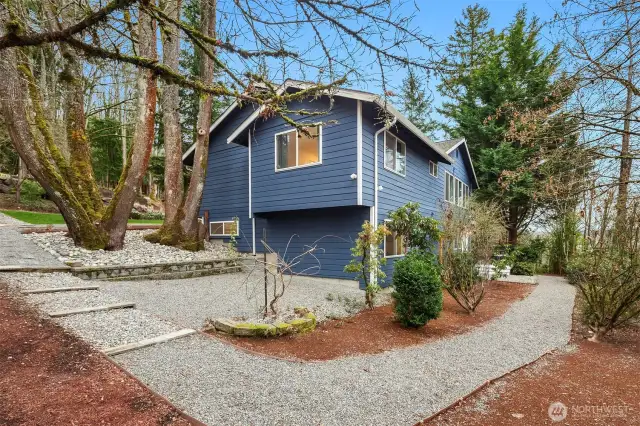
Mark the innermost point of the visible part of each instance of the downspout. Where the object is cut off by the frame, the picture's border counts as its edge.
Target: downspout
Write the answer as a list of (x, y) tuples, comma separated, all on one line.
[(375, 170)]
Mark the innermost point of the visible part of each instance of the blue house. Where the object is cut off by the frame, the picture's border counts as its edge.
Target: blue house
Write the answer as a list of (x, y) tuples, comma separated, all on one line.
[(265, 177)]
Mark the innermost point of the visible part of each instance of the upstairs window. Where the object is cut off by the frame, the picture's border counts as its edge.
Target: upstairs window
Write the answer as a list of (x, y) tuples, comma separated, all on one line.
[(395, 154), (296, 149), (433, 169), (455, 191), (226, 228)]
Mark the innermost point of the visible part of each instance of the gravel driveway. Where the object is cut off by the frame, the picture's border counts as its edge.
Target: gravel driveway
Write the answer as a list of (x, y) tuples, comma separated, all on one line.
[(15, 250), (221, 385), (189, 302)]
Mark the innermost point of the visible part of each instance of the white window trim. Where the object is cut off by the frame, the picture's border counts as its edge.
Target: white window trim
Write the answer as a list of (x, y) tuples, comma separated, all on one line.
[(456, 183), (384, 153), (275, 144), (384, 247), (435, 167), (211, 234)]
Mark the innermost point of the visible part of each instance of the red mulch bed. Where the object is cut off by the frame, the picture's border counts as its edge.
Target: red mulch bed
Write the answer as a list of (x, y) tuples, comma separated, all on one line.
[(590, 380), (376, 330), (49, 377)]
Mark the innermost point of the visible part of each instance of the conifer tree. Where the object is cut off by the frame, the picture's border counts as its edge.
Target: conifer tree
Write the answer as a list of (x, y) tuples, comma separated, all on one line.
[(417, 105)]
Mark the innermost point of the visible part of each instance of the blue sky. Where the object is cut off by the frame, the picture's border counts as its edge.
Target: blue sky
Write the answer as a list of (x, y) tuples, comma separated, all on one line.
[(437, 19)]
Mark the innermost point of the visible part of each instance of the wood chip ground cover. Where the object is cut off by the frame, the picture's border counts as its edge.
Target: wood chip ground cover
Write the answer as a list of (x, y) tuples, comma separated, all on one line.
[(376, 330), (49, 377), (598, 383)]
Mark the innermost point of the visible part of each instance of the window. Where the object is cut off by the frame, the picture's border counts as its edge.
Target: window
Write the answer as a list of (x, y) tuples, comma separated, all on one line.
[(462, 243), (433, 169), (394, 245), (295, 149), (395, 154), (223, 229), (455, 191)]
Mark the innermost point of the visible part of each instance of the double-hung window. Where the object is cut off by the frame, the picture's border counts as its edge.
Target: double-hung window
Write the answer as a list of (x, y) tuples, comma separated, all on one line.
[(433, 169), (226, 228), (395, 154), (456, 191), (296, 149), (394, 245)]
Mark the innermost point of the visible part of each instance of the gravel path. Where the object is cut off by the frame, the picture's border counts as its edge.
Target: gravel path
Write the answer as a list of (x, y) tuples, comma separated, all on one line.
[(224, 386), (15, 250), (117, 327), (190, 301), (10, 221), (136, 250), (101, 329)]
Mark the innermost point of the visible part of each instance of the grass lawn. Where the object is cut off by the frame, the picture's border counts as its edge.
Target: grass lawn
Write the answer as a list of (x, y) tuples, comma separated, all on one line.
[(36, 218)]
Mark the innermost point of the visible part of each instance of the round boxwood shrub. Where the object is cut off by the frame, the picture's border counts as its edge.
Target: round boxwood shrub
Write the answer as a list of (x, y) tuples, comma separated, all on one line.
[(417, 289)]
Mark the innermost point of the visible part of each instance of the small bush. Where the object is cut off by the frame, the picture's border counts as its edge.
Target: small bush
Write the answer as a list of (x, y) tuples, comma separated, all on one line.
[(31, 191), (523, 268), (146, 216), (418, 289), (463, 281)]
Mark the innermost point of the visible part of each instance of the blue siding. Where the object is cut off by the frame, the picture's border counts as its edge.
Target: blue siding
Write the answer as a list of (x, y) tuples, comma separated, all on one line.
[(226, 191), (332, 230), (418, 185), (318, 201), (368, 132), (325, 185)]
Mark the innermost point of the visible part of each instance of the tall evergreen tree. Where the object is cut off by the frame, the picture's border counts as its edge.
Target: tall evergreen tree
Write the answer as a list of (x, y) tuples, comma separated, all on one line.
[(471, 44), (416, 105), (515, 75)]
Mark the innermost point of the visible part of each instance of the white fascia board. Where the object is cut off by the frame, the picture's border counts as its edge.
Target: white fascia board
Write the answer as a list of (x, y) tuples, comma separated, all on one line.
[(473, 170), (453, 148), (466, 147), (413, 129), (215, 124), (351, 94)]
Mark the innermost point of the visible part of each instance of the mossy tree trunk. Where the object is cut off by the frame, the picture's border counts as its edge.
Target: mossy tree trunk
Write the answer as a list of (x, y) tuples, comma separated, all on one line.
[(70, 183), (170, 101), (115, 218), (183, 230)]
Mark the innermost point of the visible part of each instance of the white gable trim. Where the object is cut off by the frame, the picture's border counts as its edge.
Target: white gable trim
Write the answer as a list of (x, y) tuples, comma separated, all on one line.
[(466, 147), (215, 124), (351, 94)]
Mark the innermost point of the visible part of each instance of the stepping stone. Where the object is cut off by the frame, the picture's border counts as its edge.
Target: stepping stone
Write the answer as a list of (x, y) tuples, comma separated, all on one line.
[(91, 309), (148, 342), (59, 289)]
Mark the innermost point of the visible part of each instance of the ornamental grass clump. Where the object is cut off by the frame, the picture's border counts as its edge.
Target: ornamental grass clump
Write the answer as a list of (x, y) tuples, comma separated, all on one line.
[(417, 289)]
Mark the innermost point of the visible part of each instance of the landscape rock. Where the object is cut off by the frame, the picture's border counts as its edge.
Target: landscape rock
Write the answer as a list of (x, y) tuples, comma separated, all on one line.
[(224, 325), (136, 251)]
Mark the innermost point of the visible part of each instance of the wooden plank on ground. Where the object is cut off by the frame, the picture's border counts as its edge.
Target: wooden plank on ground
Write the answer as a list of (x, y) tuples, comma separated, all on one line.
[(92, 309), (115, 350), (59, 289)]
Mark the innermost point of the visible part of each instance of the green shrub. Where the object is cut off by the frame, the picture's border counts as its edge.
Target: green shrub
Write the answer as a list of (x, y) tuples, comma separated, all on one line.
[(146, 216), (418, 289), (531, 251), (523, 268), (31, 191)]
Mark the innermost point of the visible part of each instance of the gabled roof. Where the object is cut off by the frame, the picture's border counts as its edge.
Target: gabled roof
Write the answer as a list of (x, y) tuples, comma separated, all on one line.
[(451, 145), (346, 93)]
